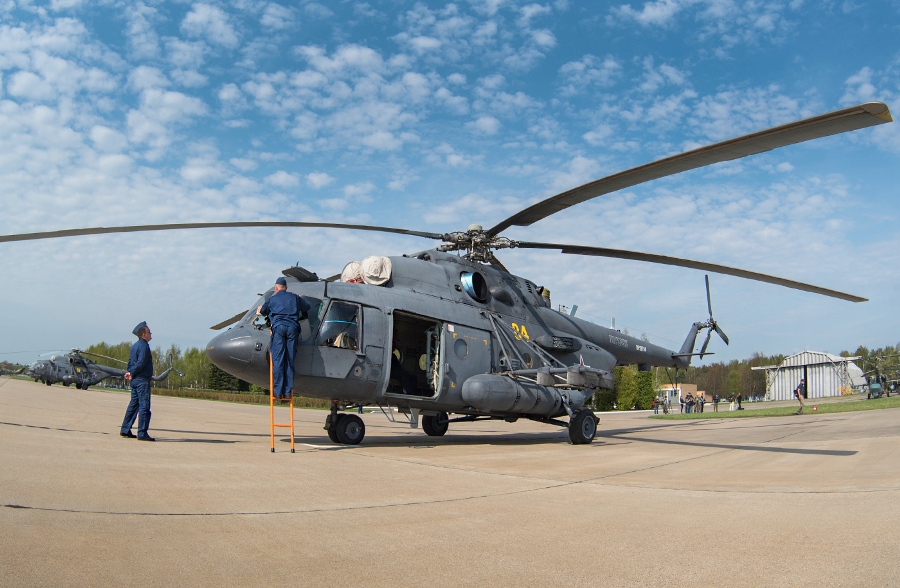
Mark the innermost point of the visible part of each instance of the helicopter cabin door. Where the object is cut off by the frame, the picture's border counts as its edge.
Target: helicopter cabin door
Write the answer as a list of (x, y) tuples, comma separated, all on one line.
[(417, 357)]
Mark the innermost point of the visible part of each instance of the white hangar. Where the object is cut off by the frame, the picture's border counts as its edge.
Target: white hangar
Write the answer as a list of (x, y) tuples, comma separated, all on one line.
[(825, 375)]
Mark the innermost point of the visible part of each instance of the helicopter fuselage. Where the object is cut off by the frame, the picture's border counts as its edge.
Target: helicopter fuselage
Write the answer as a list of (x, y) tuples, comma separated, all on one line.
[(444, 334)]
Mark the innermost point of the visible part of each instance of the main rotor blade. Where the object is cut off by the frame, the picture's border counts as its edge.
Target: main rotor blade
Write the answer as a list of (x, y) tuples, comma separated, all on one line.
[(230, 321), (708, 299), (103, 357), (700, 265), (179, 226), (823, 125)]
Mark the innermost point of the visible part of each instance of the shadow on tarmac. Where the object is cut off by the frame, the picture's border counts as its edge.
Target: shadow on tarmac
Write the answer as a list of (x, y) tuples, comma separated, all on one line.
[(833, 453)]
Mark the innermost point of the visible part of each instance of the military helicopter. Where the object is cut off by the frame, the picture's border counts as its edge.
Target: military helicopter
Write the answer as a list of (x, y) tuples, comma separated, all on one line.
[(6, 371), (74, 368), (877, 382), (435, 334)]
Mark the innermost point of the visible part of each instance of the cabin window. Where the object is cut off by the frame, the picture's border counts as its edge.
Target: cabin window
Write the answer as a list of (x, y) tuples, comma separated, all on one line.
[(341, 327)]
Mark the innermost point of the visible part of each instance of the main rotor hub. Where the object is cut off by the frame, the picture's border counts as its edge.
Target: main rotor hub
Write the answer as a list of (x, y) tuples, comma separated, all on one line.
[(477, 244)]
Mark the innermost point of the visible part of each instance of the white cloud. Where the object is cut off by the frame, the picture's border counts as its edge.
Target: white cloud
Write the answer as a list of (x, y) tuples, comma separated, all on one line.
[(484, 125), (211, 23), (346, 60), (319, 180), (276, 17), (245, 165), (229, 93), (185, 54), (283, 179), (107, 139), (142, 37), (359, 190), (577, 76), (658, 13), (598, 136)]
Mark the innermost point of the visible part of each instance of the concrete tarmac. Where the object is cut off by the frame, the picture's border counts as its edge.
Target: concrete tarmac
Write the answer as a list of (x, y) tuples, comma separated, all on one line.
[(812, 500)]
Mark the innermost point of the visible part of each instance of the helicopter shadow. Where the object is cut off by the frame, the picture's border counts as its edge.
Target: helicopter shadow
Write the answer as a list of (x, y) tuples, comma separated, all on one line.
[(509, 439), (732, 446)]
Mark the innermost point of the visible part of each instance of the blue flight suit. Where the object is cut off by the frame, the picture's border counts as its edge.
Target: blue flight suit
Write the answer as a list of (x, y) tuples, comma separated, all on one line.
[(140, 364), (283, 310)]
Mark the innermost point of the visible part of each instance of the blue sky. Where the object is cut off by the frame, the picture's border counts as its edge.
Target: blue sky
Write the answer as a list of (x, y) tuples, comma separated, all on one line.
[(432, 116)]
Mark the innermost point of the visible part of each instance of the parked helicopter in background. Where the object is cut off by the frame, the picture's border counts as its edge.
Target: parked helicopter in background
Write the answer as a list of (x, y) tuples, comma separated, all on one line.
[(436, 334), (74, 368), (5, 370)]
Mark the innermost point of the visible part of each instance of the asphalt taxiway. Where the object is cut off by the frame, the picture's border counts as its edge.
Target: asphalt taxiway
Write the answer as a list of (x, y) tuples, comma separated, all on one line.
[(812, 500)]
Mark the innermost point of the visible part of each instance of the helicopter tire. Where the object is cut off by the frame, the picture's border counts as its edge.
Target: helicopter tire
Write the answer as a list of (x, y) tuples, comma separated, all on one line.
[(84, 386), (332, 430), (582, 427), (351, 429), (78, 385), (437, 425)]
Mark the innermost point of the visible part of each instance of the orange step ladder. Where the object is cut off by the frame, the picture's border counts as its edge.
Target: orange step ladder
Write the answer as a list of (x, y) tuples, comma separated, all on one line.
[(272, 423)]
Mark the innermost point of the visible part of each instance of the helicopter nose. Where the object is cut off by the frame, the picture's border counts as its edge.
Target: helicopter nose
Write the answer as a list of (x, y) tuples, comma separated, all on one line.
[(232, 351)]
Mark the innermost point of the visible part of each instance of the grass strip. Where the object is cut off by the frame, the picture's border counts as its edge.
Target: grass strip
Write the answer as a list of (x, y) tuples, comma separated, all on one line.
[(825, 408)]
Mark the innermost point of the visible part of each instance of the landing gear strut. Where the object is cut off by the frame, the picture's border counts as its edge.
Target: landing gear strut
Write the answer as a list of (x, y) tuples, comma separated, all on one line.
[(582, 427)]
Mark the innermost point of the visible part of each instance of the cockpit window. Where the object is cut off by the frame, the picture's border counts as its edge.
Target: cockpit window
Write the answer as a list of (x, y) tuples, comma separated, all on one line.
[(251, 313), (340, 327)]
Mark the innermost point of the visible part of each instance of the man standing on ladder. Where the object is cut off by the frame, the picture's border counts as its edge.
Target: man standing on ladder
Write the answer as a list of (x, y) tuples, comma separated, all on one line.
[(284, 310)]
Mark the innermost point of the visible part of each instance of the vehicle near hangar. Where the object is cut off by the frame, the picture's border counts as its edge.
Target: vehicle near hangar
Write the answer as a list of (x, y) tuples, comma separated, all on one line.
[(436, 334)]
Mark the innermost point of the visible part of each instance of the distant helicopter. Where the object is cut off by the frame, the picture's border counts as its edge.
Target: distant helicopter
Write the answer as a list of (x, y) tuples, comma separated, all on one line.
[(878, 383), (436, 334), (74, 368), (4, 371)]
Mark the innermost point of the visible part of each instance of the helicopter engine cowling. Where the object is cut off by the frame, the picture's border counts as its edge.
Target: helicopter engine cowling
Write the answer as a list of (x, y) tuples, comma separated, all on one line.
[(502, 394)]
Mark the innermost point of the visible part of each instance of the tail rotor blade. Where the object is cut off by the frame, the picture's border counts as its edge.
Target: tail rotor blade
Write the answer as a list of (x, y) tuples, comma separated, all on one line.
[(721, 334), (705, 343)]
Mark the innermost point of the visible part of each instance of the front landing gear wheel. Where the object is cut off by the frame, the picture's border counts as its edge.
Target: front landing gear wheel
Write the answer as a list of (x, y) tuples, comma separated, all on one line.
[(332, 430), (351, 429), (582, 427), (437, 425)]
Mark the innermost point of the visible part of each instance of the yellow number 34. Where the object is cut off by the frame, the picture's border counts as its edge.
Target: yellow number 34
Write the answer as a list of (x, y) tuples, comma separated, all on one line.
[(521, 332)]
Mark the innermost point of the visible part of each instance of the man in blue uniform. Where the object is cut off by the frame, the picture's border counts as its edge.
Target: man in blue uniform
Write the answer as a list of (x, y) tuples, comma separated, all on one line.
[(140, 370), (284, 310)]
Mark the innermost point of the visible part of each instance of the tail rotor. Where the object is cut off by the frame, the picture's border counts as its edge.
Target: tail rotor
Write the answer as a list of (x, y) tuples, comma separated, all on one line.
[(711, 325)]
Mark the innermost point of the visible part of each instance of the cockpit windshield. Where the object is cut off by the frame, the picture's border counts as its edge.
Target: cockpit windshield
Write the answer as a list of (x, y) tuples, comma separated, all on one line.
[(340, 327), (251, 313)]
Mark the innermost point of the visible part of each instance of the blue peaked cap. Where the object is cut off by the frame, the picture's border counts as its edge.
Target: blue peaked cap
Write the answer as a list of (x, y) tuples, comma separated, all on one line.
[(140, 326), (281, 281)]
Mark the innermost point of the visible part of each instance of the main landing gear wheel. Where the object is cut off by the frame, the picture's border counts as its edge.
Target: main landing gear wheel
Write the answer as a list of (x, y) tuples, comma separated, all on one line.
[(437, 425), (351, 429), (78, 385), (582, 427), (332, 430)]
